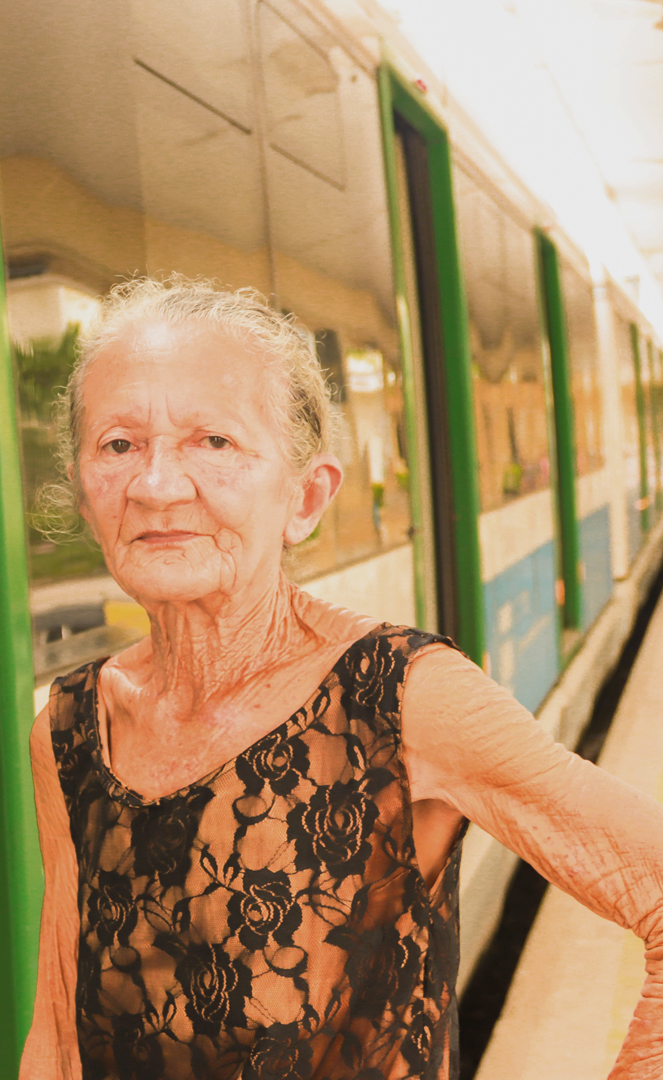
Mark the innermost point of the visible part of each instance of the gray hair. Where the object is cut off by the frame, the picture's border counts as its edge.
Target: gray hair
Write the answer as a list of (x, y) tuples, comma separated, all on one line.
[(303, 412)]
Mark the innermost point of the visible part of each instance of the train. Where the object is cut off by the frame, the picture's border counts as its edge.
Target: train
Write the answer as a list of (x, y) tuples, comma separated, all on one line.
[(499, 402)]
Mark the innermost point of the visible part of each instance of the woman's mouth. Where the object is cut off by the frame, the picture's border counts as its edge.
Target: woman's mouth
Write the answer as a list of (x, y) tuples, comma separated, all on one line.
[(174, 536)]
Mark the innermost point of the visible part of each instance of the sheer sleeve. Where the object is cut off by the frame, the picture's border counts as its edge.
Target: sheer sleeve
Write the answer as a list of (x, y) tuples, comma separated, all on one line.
[(470, 744), (51, 1049)]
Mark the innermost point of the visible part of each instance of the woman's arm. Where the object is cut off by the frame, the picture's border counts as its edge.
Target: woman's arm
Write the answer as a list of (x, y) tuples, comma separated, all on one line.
[(51, 1049), (468, 743)]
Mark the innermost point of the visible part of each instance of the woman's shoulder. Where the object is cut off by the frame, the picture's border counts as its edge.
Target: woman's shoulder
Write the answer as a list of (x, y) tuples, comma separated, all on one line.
[(329, 621), (72, 696), (362, 631), (444, 678), (401, 647)]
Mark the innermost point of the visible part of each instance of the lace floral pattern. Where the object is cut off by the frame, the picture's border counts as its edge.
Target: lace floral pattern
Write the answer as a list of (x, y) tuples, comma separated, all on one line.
[(269, 921)]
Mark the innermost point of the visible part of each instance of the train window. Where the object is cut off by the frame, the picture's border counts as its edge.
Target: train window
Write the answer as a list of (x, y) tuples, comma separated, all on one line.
[(656, 405), (332, 261), (519, 559), (630, 435), (647, 426), (302, 103), (592, 483), (45, 315), (507, 362), (202, 48), (201, 184), (128, 145), (584, 371), (652, 436), (201, 188), (151, 137)]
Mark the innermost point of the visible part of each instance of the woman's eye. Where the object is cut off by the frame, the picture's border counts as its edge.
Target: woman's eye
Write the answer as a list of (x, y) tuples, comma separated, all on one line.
[(215, 442), (118, 446)]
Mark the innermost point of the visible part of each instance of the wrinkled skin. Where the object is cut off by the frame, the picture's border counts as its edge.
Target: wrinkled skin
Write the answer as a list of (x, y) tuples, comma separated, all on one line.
[(183, 476), (185, 485)]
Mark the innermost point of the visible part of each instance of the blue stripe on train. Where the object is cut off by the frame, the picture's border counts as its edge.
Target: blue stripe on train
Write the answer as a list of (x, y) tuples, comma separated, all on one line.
[(521, 613), (521, 628), (595, 554)]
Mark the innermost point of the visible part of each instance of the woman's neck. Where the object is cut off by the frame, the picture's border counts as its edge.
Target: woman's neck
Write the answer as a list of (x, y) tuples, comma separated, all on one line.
[(198, 693), (231, 674), (203, 652)]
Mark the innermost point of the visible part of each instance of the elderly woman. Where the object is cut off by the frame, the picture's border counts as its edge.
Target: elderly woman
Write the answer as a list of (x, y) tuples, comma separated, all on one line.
[(251, 821)]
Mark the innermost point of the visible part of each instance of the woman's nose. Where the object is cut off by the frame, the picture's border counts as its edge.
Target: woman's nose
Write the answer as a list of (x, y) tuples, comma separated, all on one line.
[(162, 480)]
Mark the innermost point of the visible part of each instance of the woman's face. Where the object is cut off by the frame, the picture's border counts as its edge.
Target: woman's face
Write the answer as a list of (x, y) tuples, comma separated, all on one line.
[(182, 471)]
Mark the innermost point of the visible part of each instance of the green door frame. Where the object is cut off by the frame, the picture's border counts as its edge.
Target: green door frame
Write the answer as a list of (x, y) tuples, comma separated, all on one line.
[(21, 877), (397, 94), (655, 421), (556, 329), (642, 427)]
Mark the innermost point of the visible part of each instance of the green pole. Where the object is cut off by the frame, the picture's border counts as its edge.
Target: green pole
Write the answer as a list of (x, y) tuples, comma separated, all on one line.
[(564, 429), (21, 870), (642, 428)]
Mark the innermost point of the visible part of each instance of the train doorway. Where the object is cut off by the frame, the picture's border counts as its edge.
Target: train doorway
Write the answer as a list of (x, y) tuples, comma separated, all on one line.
[(428, 346), (433, 328)]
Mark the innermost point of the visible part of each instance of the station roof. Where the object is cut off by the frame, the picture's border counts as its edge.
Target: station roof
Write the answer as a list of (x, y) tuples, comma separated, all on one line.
[(606, 57), (571, 94)]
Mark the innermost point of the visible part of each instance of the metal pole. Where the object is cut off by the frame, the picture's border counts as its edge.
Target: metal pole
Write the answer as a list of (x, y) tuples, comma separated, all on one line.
[(21, 876)]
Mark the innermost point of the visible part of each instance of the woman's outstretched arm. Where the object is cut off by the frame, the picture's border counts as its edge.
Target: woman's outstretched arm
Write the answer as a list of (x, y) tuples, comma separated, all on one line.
[(51, 1049), (468, 743)]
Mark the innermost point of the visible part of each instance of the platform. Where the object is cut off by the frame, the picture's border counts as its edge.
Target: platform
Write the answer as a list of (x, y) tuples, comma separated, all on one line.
[(579, 977)]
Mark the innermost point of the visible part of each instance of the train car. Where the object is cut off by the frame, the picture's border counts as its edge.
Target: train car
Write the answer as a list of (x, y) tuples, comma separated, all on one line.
[(500, 409)]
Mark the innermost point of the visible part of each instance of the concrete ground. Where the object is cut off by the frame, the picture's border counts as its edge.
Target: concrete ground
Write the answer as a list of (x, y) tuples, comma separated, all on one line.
[(579, 977)]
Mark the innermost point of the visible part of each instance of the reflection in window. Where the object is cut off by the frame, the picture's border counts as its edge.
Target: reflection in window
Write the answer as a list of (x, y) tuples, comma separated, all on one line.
[(584, 370), (328, 348), (652, 445), (45, 317), (202, 47), (332, 261), (630, 434), (656, 405), (373, 506), (201, 188), (500, 276), (301, 83), (130, 144)]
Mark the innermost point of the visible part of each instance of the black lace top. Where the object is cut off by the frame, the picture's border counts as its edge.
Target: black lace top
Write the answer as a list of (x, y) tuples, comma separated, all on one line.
[(269, 921)]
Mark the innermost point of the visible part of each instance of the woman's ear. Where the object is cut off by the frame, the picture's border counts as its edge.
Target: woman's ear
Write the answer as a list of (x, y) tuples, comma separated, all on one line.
[(318, 487)]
